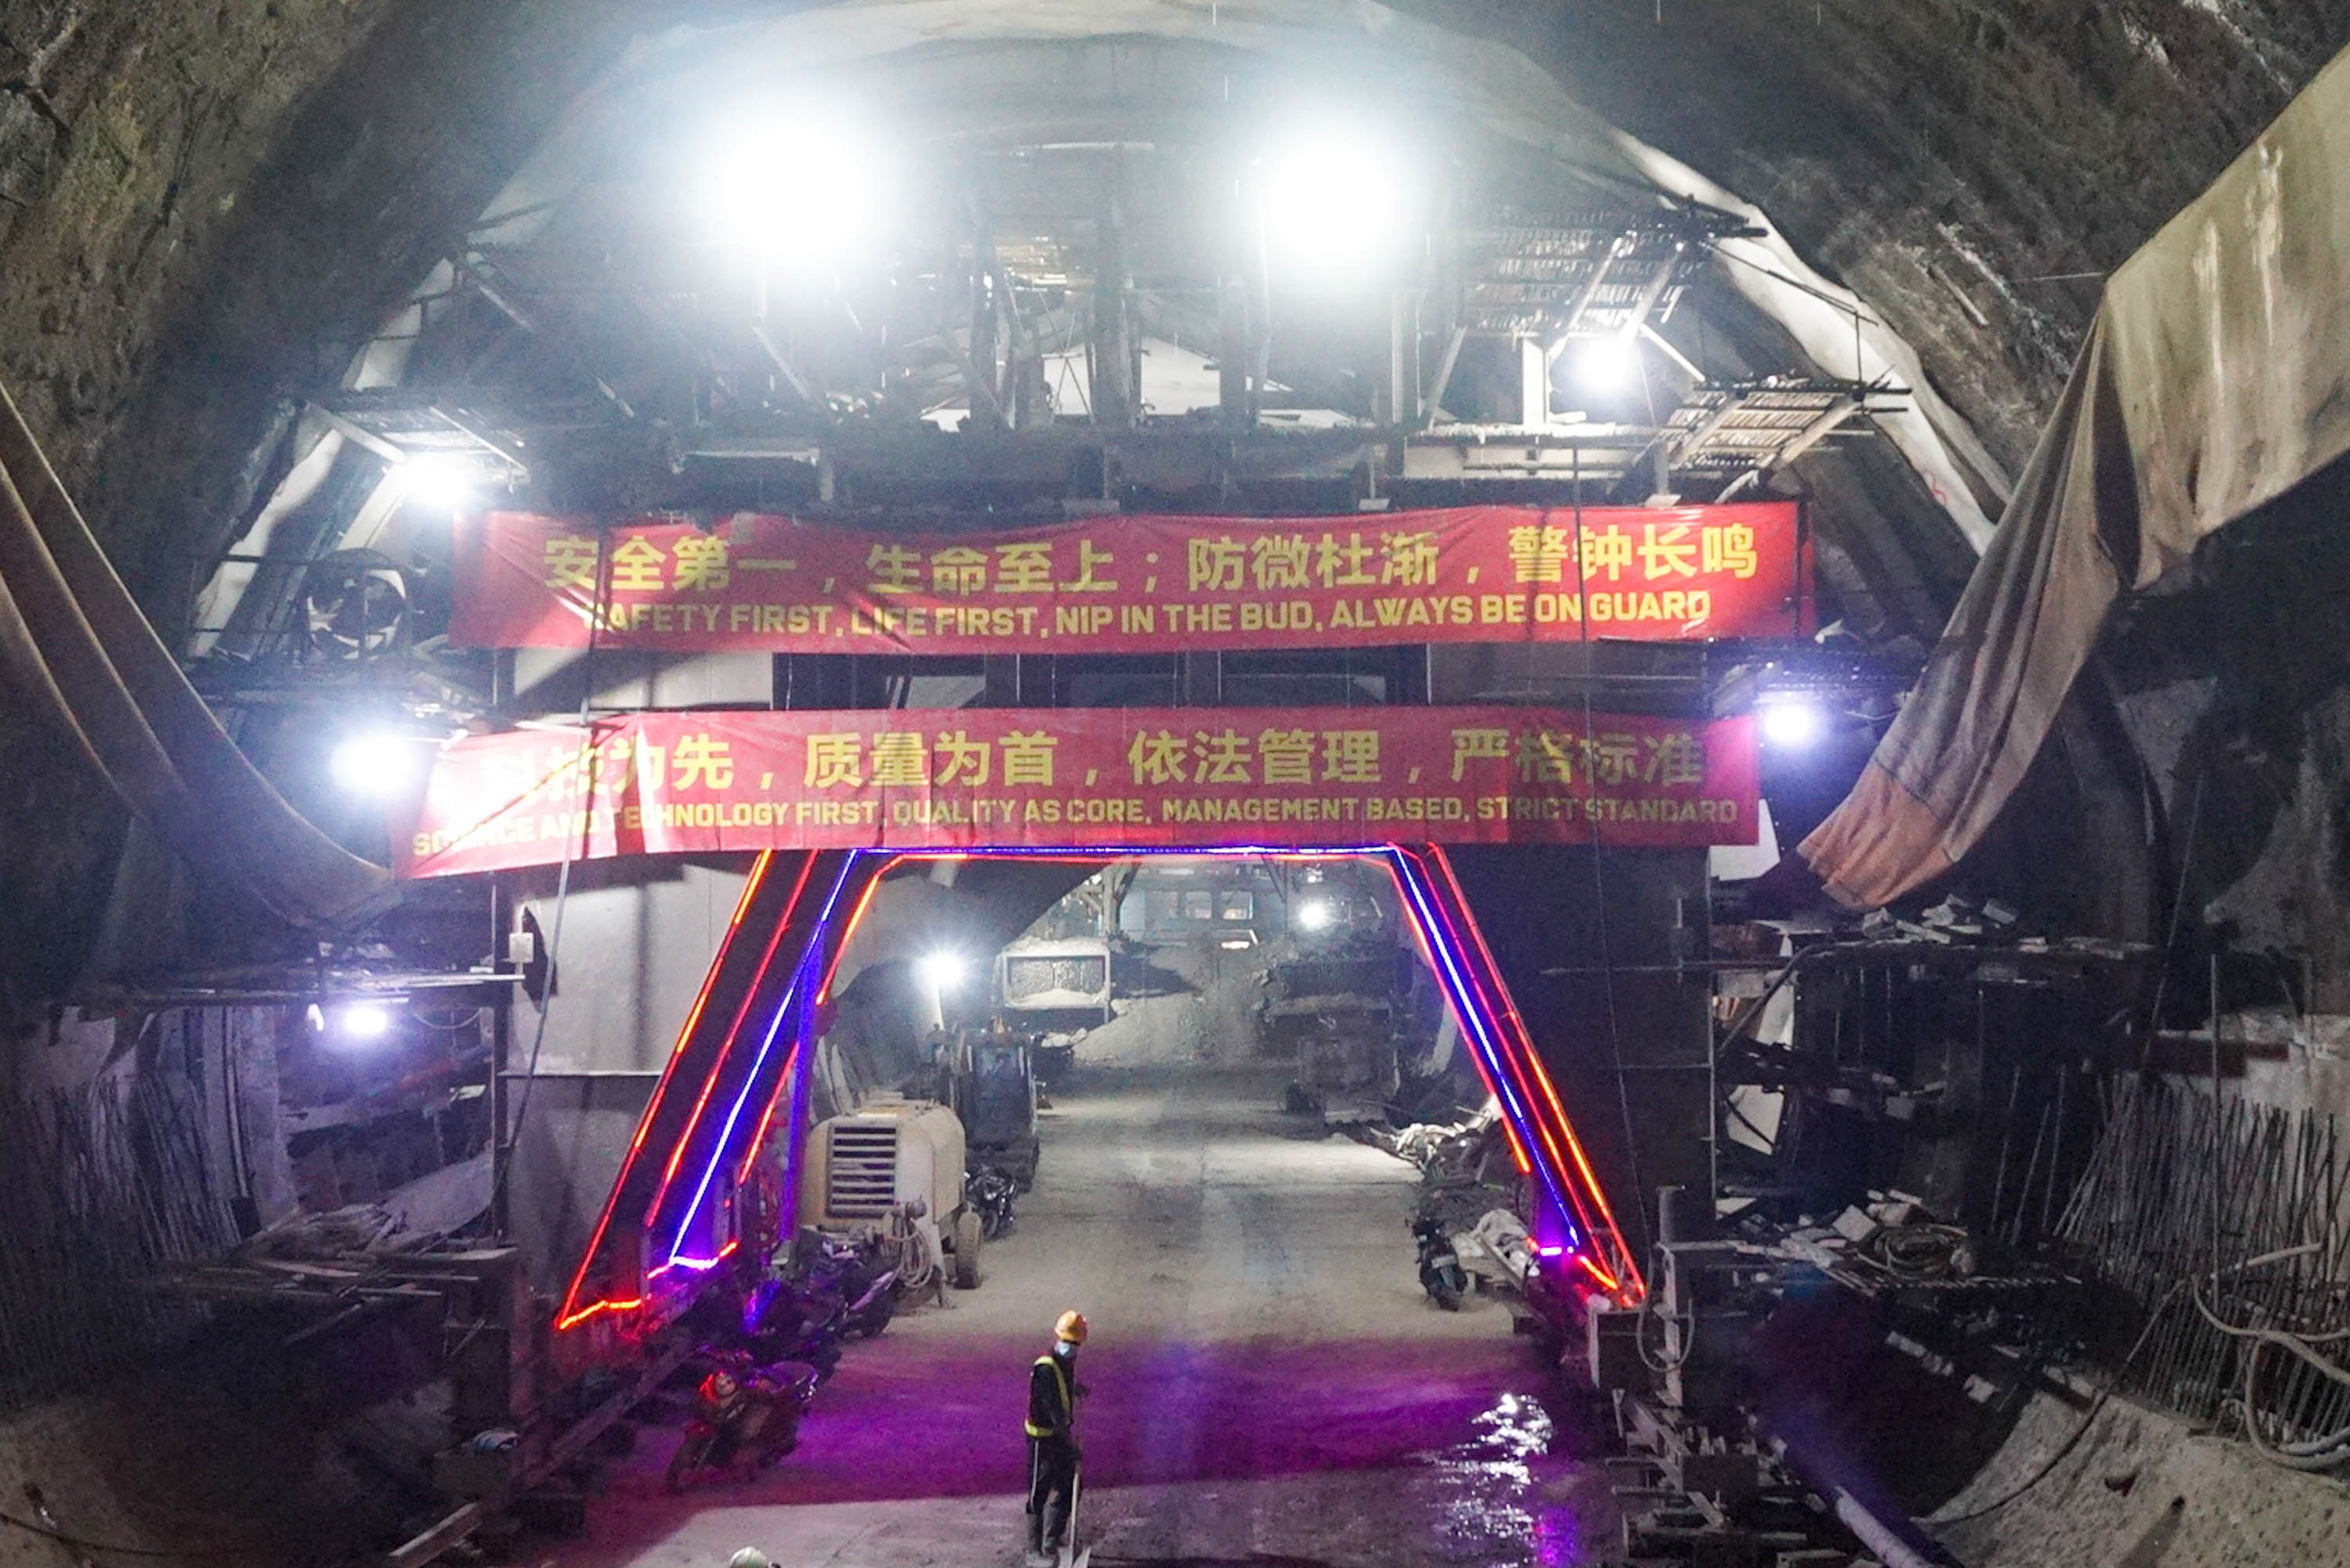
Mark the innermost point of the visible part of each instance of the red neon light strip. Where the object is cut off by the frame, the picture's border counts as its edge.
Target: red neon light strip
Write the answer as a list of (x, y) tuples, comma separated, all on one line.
[(1514, 1054), (1509, 1051), (1425, 939), (788, 1007), (710, 1081), (831, 966), (1514, 1049), (856, 918), (1533, 1062), (751, 885)]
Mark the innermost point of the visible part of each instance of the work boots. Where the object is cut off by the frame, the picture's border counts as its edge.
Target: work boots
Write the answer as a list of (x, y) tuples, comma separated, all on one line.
[(1052, 1526)]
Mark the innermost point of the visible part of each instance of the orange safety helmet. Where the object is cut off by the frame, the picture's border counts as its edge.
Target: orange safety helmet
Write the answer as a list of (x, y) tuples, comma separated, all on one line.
[(720, 1392), (1071, 1327)]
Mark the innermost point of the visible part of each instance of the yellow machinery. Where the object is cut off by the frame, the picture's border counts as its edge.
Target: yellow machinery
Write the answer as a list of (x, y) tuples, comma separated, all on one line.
[(894, 1154)]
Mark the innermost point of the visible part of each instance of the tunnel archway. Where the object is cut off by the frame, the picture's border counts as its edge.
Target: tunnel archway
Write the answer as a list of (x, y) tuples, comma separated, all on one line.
[(668, 1220)]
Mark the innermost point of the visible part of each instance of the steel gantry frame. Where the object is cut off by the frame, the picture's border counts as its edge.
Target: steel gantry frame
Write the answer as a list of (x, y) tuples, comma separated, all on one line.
[(669, 1217)]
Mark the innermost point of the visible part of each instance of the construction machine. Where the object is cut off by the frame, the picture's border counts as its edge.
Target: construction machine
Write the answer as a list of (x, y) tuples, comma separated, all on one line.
[(896, 1166)]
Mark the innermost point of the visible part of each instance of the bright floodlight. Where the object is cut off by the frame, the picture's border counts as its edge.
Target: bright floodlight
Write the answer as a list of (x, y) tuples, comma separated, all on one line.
[(363, 1020), (1793, 725), (1336, 208), (1313, 915), (1610, 363), (940, 970), (374, 763), (804, 187), (440, 484)]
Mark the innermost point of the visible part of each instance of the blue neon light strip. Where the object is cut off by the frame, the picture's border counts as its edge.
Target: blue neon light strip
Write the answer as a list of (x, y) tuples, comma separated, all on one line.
[(800, 986), (1467, 1000), (1472, 1012)]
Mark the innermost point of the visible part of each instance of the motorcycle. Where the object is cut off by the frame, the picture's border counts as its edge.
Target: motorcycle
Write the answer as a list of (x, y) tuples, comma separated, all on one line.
[(990, 1193), (804, 1325), (1440, 1274), (744, 1417), (868, 1293)]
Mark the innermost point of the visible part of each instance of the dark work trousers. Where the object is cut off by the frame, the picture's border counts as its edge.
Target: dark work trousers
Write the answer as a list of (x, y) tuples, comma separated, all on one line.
[(1052, 1484)]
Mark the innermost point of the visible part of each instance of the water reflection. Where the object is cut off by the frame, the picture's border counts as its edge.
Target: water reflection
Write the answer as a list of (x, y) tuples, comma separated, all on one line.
[(1505, 1497)]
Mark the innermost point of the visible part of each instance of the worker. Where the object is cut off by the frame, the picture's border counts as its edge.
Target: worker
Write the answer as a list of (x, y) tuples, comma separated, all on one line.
[(1053, 1456)]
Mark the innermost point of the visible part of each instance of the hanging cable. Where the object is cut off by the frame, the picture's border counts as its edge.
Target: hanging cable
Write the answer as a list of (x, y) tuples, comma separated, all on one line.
[(46, 1527), (2089, 1420)]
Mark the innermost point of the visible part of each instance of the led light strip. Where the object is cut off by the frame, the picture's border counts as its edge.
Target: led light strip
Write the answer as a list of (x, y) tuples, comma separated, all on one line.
[(573, 1313), (784, 1008), (1502, 1047)]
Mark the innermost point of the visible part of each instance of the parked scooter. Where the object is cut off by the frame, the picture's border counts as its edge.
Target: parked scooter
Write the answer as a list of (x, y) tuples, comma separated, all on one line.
[(744, 1417), (802, 1325), (1440, 1274), (851, 1270), (990, 1193)]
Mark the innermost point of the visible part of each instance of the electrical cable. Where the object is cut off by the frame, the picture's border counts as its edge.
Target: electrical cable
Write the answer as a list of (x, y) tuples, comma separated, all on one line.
[(2089, 1420), (2309, 1454), (1922, 1250), (2298, 1344), (2170, 939), (33, 1527)]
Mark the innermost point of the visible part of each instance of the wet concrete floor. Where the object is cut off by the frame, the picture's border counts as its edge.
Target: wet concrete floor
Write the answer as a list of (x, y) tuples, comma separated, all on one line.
[(1269, 1385)]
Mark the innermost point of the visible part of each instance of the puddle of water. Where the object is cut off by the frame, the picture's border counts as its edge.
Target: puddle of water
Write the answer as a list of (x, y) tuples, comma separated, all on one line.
[(1506, 1497)]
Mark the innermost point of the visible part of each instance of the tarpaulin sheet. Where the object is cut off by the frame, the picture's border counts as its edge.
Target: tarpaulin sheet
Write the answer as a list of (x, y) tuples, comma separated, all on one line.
[(669, 784), (76, 650), (2216, 377), (1132, 585)]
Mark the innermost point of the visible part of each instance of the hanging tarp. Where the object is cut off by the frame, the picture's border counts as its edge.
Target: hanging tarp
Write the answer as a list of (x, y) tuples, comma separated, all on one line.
[(75, 649), (2216, 377)]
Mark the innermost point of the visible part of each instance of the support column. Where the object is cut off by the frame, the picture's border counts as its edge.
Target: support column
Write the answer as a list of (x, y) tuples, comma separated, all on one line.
[(1116, 402), (1534, 384), (1239, 411)]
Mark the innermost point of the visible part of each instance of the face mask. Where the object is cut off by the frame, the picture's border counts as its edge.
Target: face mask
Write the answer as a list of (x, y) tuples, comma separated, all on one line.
[(1064, 1349)]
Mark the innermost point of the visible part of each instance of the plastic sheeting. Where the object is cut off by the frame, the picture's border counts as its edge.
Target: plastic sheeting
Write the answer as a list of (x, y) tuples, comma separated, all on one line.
[(76, 650), (2216, 377)]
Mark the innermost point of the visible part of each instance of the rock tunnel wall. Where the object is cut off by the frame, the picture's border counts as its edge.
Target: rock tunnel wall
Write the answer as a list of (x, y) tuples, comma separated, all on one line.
[(1971, 168)]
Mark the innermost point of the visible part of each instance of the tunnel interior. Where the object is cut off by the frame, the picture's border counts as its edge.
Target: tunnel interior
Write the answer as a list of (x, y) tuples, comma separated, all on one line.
[(1591, 757), (712, 1116)]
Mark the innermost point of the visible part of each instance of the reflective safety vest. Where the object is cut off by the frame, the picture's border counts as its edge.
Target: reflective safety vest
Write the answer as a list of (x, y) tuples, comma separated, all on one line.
[(1068, 1406)]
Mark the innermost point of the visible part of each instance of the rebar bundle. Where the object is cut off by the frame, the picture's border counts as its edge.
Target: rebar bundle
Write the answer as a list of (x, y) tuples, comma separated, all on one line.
[(2222, 1224), (103, 1186)]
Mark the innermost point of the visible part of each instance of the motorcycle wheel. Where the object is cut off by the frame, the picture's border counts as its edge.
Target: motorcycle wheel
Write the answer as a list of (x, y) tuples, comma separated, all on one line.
[(692, 1449), (967, 1242)]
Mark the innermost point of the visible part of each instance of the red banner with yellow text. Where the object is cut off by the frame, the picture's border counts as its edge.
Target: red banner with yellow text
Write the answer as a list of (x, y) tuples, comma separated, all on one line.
[(1132, 584), (672, 783)]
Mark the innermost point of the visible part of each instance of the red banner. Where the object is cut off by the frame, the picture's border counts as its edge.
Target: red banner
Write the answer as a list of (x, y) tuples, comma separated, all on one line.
[(1132, 585), (674, 783)]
